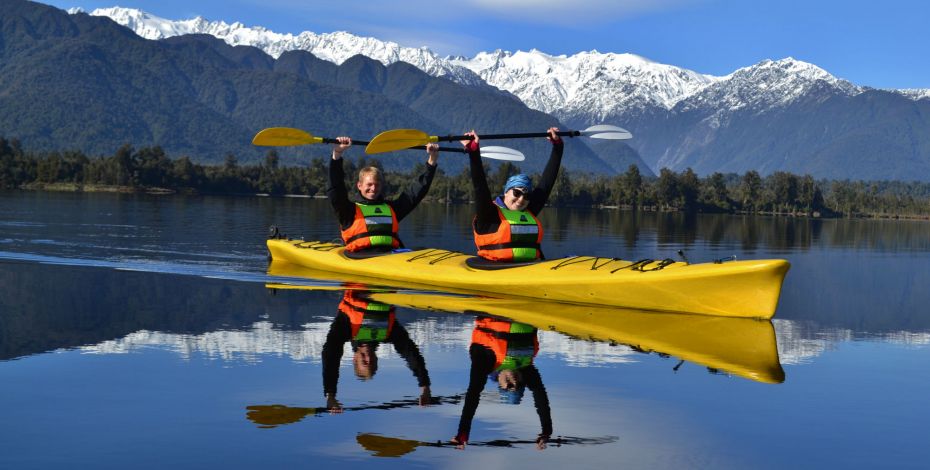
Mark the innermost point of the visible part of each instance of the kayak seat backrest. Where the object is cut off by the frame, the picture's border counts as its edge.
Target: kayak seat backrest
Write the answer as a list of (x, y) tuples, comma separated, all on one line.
[(478, 262)]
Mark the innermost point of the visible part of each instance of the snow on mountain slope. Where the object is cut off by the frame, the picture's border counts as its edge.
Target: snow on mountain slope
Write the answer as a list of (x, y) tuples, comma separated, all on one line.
[(765, 85), (587, 81), (587, 86), (335, 47)]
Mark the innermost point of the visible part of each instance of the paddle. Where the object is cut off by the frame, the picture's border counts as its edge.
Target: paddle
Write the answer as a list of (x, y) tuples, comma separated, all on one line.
[(289, 136), (387, 446), (269, 416), (397, 139)]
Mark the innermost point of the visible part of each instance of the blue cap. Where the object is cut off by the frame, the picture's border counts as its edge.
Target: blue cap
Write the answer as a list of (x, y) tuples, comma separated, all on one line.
[(518, 181), (511, 397)]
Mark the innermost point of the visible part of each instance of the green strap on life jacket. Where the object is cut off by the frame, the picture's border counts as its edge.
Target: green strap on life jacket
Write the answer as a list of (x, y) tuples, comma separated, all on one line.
[(379, 223), (520, 347), (523, 234), (375, 324)]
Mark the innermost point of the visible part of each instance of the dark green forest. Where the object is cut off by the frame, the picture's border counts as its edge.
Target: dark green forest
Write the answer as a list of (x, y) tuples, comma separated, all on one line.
[(150, 169)]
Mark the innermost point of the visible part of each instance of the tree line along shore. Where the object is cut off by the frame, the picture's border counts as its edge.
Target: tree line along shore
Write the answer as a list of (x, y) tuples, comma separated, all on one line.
[(149, 169)]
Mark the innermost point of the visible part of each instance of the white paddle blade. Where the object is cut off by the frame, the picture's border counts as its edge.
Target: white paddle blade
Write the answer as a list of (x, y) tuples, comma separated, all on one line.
[(502, 153), (606, 131)]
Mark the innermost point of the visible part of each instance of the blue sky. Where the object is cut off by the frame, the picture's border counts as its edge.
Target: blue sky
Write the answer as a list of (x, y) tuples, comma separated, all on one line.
[(879, 44)]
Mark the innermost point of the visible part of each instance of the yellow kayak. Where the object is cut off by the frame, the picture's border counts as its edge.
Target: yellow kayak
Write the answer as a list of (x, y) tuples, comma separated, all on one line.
[(738, 346), (747, 289)]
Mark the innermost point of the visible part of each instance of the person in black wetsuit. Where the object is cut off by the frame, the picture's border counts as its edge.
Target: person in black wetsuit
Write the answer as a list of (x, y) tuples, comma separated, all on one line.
[(367, 324), (372, 223), (506, 227), (503, 350)]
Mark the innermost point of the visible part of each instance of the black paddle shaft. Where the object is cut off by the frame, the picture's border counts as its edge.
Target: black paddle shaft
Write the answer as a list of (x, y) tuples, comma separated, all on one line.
[(328, 140), (526, 135)]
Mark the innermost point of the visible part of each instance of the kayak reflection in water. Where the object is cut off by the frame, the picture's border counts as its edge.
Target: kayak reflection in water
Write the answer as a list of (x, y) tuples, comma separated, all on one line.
[(506, 227), (372, 224), (503, 351), (367, 324)]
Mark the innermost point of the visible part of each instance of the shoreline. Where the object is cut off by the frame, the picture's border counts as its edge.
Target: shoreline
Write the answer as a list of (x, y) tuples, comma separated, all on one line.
[(156, 191)]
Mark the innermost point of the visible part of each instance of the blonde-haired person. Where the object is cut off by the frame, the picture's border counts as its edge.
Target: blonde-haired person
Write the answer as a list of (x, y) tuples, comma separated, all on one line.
[(367, 324), (371, 225)]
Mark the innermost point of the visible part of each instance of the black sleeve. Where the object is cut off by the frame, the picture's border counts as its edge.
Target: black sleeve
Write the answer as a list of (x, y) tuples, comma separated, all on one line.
[(410, 352), (486, 219), (533, 381), (416, 191), (340, 331), (540, 193), (482, 364), (338, 195)]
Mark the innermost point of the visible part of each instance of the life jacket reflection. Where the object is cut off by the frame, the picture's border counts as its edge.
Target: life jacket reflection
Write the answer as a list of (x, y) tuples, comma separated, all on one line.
[(518, 237), (514, 344), (370, 321), (375, 225)]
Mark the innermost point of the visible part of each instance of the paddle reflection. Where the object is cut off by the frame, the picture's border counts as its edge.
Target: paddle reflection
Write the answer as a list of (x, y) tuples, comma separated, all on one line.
[(387, 446)]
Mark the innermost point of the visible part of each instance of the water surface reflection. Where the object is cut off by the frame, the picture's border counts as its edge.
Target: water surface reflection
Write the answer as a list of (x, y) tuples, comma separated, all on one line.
[(188, 357)]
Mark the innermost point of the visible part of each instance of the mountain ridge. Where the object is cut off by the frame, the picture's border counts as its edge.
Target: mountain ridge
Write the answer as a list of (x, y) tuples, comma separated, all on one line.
[(679, 118), (85, 83)]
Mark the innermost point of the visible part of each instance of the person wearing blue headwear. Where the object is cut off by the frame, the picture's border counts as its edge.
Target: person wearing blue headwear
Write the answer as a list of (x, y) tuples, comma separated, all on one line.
[(503, 351), (506, 227)]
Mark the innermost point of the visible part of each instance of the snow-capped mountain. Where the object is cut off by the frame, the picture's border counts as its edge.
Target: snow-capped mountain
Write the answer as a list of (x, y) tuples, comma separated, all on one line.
[(334, 47), (776, 115), (915, 93), (587, 86), (587, 83), (766, 85)]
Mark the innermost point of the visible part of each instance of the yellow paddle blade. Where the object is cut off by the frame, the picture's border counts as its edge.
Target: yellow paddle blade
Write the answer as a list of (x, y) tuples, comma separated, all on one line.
[(384, 446), (284, 137), (398, 139), (270, 416)]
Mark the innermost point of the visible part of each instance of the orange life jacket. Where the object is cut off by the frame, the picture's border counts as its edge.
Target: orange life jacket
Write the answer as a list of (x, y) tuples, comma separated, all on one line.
[(514, 344), (370, 321), (375, 225), (518, 237)]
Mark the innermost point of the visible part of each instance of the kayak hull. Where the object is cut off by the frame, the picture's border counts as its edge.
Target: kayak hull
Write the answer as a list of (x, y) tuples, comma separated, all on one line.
[(746, 289)]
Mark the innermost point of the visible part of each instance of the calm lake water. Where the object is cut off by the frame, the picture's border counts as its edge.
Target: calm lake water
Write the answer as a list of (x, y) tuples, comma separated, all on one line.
[(141, 332)]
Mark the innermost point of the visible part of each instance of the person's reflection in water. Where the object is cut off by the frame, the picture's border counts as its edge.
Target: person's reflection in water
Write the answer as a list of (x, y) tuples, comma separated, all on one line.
[(367, 324), (503, 351)]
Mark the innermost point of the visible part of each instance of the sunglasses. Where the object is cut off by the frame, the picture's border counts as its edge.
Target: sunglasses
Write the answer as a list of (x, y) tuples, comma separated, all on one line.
[(518, 193)]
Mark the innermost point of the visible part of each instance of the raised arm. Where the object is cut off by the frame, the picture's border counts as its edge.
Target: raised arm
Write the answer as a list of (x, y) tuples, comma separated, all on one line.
[(541, 192), (418, 189), (486, 219), (340, 331), (336, 192), (482, 364), (408, 350), (541, 399)]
